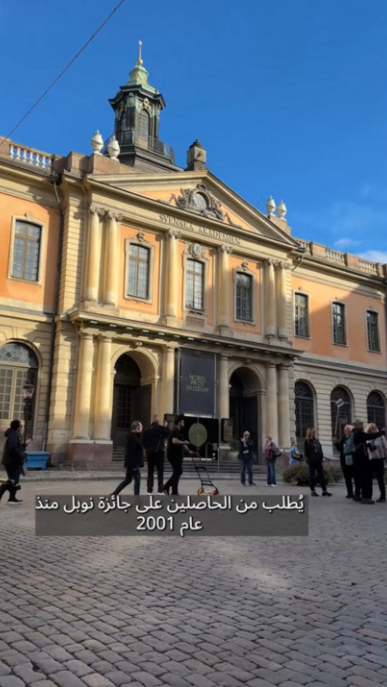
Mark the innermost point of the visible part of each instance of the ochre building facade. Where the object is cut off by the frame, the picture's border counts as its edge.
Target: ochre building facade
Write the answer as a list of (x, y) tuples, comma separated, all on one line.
[(117, 266)]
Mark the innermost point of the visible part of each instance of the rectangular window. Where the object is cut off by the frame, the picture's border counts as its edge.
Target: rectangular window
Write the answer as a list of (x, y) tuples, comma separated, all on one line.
[(26, 251), (373, 331), (338, 315), (244, 297), (195, 273), (138, 272), (301, 315)]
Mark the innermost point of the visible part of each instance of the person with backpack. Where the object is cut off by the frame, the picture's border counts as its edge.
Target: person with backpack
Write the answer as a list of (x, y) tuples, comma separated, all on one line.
[(314, 457), (377, 453), (272, 452), (295, 457), (346, 447)]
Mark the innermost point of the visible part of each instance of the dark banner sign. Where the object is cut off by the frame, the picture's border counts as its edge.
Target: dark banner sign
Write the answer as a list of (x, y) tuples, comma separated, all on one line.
[(197, 384)]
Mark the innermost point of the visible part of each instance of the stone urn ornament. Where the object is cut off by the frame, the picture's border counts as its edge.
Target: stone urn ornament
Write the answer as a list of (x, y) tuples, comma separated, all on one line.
[(97, 143), (270, 206), (113, 149), (281, 210)]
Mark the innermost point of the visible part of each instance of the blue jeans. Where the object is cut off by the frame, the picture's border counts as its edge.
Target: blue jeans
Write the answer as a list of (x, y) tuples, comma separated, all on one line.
[(246, 463), (131, 474), (271, 472)]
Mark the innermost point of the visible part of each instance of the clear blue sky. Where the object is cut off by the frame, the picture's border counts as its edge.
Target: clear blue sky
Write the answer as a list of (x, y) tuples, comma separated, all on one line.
[(287, 96)]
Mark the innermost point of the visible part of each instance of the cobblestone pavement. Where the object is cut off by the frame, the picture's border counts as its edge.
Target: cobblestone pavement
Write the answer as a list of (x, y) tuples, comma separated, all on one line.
[(264, 612)]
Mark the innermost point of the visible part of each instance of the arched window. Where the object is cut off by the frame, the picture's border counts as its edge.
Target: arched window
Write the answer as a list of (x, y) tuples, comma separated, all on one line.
[(18, 367), (376, 409), (341, 410), (143, 124), (304, 409)]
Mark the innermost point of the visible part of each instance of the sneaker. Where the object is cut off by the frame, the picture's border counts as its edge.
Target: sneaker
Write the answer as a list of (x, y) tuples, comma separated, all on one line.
[(368, 501), (161, 491), (314, 493), (149, 492), (357, 498), (14, 501), (274, 485), (326, 493), (381, 500), (252, 484), (243, 484)]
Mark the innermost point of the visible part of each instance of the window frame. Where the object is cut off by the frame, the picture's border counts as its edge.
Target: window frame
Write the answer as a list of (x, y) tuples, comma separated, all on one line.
[(311, 399), (151, 250), (204, 259), (199, 262), (27, 218), (253, 276), (34, 375), (308, 327), (374, 312), (142, 114), (342, 305)]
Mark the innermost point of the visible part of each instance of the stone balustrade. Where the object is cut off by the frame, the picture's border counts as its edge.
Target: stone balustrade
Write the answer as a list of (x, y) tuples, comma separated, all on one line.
[(346, 259), (29, 156)]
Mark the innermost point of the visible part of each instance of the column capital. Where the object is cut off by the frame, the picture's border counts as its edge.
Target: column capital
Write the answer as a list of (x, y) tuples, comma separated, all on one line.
[(225, 249), (105, 337), (110, 214), (85, 335), (270, 364), (173, 234), (224, 357), (96, 210), (170, 347), (284, 366)]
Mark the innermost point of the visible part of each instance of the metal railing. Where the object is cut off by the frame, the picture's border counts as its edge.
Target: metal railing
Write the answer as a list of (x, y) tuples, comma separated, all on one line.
[(130, 137)]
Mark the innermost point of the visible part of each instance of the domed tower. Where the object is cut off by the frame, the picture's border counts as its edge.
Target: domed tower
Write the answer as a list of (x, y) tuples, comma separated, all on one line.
[(137, 108)]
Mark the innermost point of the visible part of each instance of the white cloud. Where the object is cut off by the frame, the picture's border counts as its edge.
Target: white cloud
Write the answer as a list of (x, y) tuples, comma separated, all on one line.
[(345, 243), (375, 256)]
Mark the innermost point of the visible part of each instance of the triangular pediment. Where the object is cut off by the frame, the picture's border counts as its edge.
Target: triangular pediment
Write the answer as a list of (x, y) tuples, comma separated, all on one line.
[(203, 196)]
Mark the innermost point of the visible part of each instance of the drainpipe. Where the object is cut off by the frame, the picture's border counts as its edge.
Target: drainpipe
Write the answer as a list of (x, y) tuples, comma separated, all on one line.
[(56, 180), (300, 259)]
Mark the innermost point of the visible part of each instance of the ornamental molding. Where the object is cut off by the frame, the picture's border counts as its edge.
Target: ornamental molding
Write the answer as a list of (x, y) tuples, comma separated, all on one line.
[(202, 202)]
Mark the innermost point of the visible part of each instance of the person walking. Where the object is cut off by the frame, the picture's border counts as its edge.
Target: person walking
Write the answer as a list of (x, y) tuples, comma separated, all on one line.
[(133, 460), (377, 453), (154, 438), (13, 460), (346, 448), (314, 457), (245, 455), (176, 447), (295, 457), (272, 452), (361, 462)]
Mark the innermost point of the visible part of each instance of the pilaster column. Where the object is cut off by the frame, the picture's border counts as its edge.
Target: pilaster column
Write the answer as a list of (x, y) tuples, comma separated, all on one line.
[(103, 391), (283, 406), (168, 380), (223, 388), (111, 277), (224, 287), (93, 254), (269, 298), (172, 272), (82, 404), (271, 402), (282, 304)]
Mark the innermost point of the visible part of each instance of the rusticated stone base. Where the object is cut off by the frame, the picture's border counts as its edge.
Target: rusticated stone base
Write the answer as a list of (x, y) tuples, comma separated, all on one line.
[(89, 454)]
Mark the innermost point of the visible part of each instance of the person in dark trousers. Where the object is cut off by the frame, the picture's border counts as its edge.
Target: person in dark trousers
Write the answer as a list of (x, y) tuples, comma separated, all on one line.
[(133, 459), (346, 461), (361, 462), (245, 455), (377, 453), (13, 460), (314, 457), (176, 448), (154, 438)]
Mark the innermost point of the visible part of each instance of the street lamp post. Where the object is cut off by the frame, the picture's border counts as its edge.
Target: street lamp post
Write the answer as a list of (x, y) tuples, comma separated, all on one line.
[(28, 392)]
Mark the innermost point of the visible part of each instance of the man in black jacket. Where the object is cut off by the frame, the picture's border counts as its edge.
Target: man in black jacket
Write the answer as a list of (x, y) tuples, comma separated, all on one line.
[(176, 448), (154, 438), (13, 459), (133, 459), (361, 463)]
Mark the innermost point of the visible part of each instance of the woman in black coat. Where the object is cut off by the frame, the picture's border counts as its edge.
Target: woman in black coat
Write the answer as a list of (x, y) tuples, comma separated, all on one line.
[(314, 457), (134, 459), (13, 459), (346, 466)]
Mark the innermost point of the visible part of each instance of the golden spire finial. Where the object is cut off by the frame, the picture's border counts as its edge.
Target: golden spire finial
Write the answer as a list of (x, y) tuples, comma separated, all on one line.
[(139, 61)]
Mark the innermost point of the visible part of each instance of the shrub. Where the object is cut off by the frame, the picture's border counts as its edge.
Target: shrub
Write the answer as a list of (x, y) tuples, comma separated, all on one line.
[(299, 474)]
